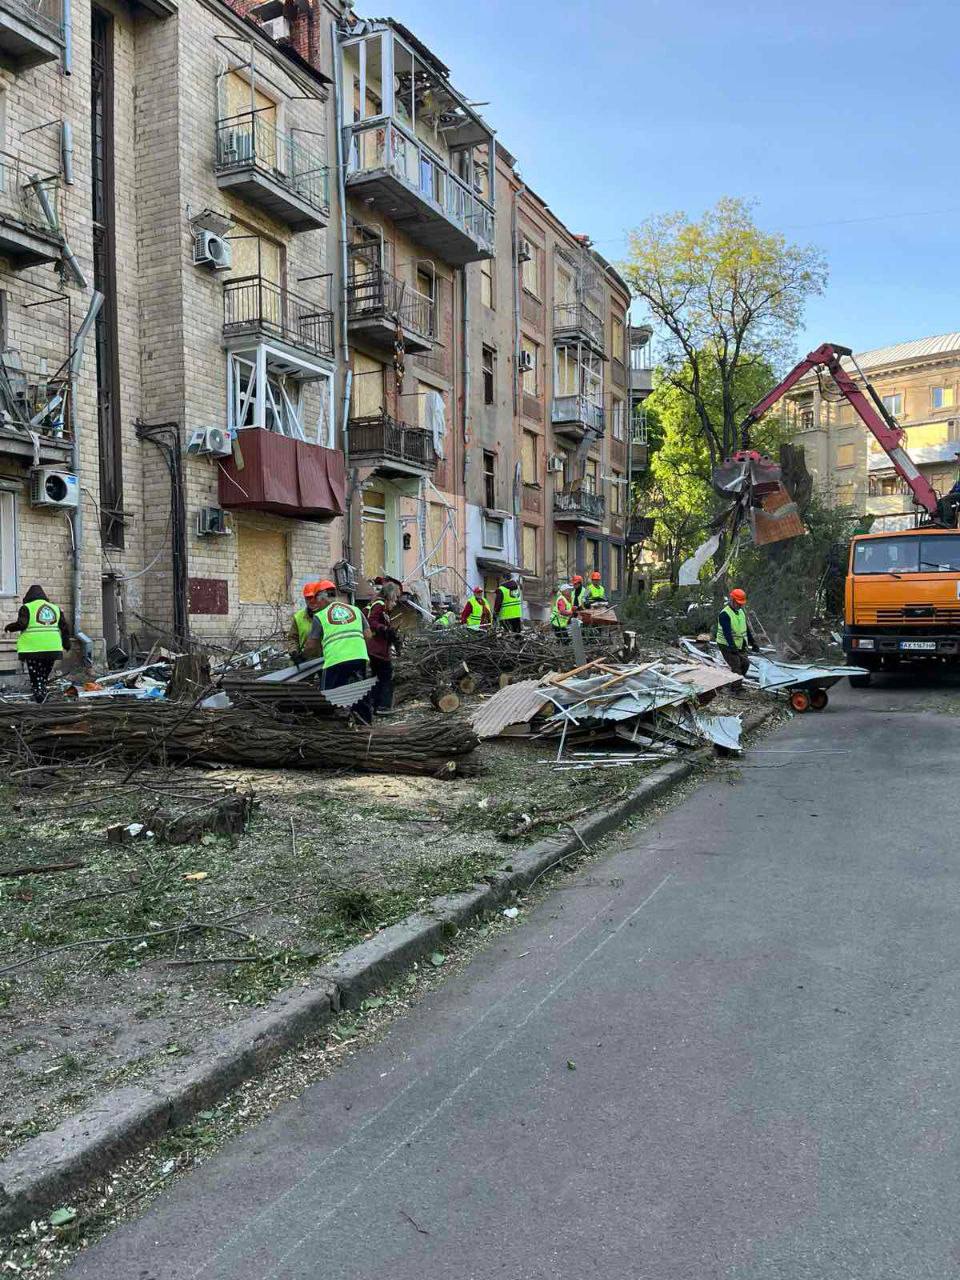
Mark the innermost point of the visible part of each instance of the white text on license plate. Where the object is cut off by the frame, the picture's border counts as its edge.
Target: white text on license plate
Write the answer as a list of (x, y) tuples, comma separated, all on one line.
[(928, 646)]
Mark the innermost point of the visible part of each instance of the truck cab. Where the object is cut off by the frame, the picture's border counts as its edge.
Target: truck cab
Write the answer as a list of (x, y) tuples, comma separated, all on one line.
[(902, 599)]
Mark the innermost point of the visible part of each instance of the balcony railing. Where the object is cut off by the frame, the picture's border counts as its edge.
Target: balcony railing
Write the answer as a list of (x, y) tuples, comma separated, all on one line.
[(383, 146), (639, 528), (380, 438), (251, 140), (578, 411), (576, 320), (252, 304), (45, 14), (31, 31), (377, 293), (577, 503)]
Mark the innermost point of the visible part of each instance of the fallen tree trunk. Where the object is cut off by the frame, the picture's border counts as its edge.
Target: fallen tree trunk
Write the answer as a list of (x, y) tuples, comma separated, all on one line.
[(162, 733)]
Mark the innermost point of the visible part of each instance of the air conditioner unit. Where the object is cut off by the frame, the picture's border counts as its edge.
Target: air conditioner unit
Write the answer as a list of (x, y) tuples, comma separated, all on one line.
[(211, 521), (555, 463), (210, 440), (525, 361), (276, 28), (50, 487), (211, 250), (524, 251)]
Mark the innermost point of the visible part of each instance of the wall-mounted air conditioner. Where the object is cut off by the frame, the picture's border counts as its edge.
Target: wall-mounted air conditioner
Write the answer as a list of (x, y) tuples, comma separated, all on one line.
[(211, 521), (51, 487), (210, 250), (555, 463), (525, 361), (276, 28), (210, 440), (524, 251)]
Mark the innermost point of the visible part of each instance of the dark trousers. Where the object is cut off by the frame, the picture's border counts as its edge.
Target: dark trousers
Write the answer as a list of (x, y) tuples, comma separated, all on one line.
[(511, 624), (737, 660), (342, 673), (381, 697), (39, 667), (562, 634)]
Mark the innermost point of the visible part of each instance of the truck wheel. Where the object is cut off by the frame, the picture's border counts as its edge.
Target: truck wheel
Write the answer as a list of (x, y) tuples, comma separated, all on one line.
[(860, 682)]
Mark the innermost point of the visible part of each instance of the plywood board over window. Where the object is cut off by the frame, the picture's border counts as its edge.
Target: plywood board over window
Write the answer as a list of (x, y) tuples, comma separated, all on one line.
[(845, 455), (262, 563)]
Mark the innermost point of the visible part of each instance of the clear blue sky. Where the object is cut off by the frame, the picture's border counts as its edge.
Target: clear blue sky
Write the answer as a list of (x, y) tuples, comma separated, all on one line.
[(831, 117)]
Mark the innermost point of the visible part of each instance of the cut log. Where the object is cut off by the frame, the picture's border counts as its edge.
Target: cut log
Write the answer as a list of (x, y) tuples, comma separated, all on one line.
[(505, 678), (191, 676), (227, 816), (445, 700), (468, 684)]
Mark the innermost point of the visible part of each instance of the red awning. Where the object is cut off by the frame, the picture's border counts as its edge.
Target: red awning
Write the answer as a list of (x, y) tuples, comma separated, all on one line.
[(270, 472)]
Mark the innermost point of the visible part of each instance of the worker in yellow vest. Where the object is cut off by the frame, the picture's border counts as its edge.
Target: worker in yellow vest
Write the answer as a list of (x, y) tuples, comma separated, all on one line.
[(44, 635), (734, 636), (508, 604), (339, 632), (562, 611), (476, 612), (302, 621), (595, 592)]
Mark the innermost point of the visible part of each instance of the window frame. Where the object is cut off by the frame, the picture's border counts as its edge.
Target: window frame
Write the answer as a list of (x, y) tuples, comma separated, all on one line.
[(488, 366)]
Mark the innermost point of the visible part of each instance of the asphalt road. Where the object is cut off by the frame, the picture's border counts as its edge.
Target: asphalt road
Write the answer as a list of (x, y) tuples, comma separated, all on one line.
[(764, 1018)]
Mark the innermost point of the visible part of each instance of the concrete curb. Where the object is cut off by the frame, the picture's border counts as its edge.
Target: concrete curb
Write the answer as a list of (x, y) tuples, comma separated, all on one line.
[(49, 1167)]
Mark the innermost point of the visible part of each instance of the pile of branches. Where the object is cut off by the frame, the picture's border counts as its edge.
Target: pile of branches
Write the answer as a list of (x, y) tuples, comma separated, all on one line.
[(156, 732), (443, 655)]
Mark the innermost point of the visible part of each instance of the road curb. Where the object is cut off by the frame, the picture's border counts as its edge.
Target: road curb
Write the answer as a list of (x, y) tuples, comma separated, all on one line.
[(48, 1168)]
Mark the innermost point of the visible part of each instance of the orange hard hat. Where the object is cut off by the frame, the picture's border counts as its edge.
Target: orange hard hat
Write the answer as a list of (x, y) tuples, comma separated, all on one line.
[(594, 577), (310, 590), (325, 585), (738, 596), (576, 579), (478, 591)]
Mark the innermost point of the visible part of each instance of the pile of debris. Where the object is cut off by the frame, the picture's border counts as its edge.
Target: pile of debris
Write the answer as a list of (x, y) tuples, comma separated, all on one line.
[(644, 710)]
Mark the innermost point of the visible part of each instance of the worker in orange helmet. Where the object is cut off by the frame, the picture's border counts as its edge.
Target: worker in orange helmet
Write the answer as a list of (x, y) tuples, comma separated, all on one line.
[(476, 612), (576, 597), (299, 628), (734, 637), (596, 592)]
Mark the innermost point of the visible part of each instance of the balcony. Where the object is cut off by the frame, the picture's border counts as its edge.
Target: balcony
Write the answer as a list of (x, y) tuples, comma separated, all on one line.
[(575, 505), (31, 32), (392, 448), (641, 380), (258, 308), (28, 236), (639, 528), (377, 303), (404, 181), (575, 322), (576, 416), (272, 170), (284, 476), (32, 404)]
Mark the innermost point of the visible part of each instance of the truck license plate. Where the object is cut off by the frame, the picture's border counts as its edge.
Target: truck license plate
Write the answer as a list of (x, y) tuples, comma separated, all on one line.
[(927, 646)]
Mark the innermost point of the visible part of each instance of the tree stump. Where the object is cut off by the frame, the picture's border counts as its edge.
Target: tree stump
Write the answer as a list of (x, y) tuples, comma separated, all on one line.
[(467, 684), (445, 700), (191, 675)]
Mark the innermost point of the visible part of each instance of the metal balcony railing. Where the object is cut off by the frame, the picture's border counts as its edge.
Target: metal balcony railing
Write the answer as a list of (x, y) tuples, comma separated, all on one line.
[(27, 194), (384, 438), (639, 528), (251, 140), (33, 400), (253, 304), (578, 411), (47, 15), (575, 501), (575, 319), (377, 293), (384, 145)]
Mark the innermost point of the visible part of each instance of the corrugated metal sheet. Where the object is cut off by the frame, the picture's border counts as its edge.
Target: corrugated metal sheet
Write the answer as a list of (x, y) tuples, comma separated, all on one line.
[(516, 704), (900, 353)]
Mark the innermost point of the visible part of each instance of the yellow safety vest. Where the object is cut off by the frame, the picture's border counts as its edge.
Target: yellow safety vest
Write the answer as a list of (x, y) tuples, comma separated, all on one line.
[(341, 630), (597, 591), (42, 634), (304, 621), (738, 627), (558, 619), (476, 610), (511, 603)]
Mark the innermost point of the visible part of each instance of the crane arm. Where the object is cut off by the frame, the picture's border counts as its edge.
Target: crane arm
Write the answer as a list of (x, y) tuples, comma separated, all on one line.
[(871, 411)]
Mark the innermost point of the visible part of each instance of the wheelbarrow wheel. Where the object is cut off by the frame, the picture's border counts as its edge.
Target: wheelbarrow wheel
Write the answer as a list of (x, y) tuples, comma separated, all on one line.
[(818, 699), (800, 700)]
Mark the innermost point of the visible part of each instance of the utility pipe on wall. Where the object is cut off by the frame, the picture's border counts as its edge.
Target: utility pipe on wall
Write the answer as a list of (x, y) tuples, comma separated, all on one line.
[(76, 359), (344, 331)]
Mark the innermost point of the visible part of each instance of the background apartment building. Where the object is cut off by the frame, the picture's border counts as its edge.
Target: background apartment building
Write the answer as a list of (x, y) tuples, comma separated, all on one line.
[(919, 383)]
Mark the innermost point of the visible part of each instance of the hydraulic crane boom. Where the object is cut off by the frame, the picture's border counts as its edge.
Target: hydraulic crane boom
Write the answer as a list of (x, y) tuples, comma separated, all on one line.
[(872, 412)]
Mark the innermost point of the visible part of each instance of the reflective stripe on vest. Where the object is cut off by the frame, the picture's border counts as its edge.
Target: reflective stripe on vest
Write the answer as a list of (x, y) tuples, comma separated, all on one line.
[(476, 610), (341, 630), (304, 621), (558, 619), (738, 626), (596, 591), (42, 634), (510, 603)]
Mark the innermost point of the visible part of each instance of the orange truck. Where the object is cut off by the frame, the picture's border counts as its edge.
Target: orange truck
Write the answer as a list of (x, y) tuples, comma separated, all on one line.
[(902, 599)]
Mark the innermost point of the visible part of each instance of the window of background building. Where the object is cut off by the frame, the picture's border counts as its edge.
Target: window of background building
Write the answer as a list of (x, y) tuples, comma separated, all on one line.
[(427, 285), (262, 560), (615, 555), (530, 272), (530, 561), (616, 337), (529, 458), (845, 495), (591, 476), (486, 283), (566, 372), (846, 455), (564, 289), (894, 403), (616, 418), (493, 533), (561, 553), (366, 390), (530, 378), (489, 375), (489, 479), (616, 494), (8, 543), (941, 397)]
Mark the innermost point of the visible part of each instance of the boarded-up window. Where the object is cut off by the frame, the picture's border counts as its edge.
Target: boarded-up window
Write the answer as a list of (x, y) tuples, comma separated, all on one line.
[(563, 285), (366, 392), (616, 337), (844, 495), (252, 116), (262, 565), (529, 366), (436, 524), (529, 458), (373, 527), (530, 563), (562, 569), (615, 554), (591, 476), (531, 270), (845, 455), (486, 283)]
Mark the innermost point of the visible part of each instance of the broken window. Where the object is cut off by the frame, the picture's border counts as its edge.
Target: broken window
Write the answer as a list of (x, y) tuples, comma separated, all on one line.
[(489, 375), (489, 479)]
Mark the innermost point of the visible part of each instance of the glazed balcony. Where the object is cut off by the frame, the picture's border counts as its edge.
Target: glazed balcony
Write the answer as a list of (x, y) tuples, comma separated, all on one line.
[(31, 32), (575, 505), (258, 308), (575, 416), (28, 236), (272, 170), (575, 322), (378, 302), (35, 414), (392, 448), (400, 178)]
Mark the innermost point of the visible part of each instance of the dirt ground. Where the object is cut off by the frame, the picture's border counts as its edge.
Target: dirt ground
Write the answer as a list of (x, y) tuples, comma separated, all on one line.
[(124, 963)]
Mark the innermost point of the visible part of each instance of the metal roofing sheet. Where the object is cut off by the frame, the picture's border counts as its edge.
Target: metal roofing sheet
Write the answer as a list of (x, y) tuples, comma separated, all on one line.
[(516, 704)]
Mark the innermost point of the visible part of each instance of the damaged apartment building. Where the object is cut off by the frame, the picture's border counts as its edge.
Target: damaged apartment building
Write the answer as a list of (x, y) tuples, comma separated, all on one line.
[(275, 303)]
